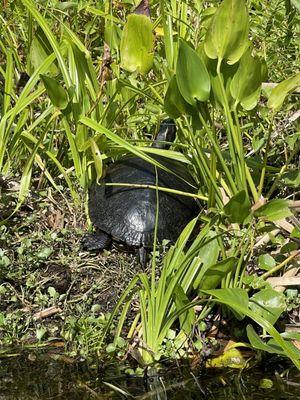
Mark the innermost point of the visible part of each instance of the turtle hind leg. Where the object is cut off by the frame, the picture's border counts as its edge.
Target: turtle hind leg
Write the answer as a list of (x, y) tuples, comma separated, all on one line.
[(96, 241)]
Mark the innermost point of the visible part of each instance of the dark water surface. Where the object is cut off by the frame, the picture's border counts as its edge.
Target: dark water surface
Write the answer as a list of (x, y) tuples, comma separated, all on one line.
[(46, 377)]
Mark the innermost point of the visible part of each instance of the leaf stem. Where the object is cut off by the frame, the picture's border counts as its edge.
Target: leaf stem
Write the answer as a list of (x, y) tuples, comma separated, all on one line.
[(263, 171)]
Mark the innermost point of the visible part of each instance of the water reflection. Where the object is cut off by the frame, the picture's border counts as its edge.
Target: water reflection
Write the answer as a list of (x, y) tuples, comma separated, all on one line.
[(52, 377)]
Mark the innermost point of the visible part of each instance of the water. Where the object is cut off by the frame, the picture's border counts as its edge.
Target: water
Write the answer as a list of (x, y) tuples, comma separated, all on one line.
[(49, 376)]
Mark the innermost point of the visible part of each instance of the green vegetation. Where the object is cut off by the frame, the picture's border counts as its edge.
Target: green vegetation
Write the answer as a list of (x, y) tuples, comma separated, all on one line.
[(100, 80)]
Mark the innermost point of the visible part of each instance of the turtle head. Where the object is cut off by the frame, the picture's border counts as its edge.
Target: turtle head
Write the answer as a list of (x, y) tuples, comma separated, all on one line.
[(166, 133)]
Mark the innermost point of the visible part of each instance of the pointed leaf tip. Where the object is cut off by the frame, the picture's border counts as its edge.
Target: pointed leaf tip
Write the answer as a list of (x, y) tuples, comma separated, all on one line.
[(191, 74)]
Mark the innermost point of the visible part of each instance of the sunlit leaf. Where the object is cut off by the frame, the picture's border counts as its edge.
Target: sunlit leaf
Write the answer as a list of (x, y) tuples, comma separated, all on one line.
[(257, 342), (292, 178), (227, 72), (191, 74), (237, 299), (44, 253), (227, 35), (238, 207), (208, 255), (112, 35), (40, 332), (266, 262), (97, 159), (231, 358), (281, 91), (269, 304), (271, 346), (137, 44), (58, 95), (246, 83), (40, 49), (251, 101), (274, 210)]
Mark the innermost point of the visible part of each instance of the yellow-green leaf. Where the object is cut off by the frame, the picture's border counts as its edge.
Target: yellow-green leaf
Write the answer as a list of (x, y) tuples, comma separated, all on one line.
[(227, 73), (40, 49), (191, 75), (227, 35), (231, 358), (274, 210), (137, 44), (97, 159), (280, 92), (238, 207), (58, 95), (246, 83)]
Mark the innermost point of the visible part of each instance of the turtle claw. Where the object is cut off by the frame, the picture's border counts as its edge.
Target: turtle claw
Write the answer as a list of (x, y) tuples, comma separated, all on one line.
[(96, 241)]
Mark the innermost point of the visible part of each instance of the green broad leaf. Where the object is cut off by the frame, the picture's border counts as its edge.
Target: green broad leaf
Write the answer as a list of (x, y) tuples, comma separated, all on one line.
[(111, 348), (214, 275), (40, 49), (112, 35), (251, 101), (235, 298), (272, 345), (227, 73), (238, 208), (246, 84), (40, 332), (58, 95), (292, 178), (269, 304), (257, 342), (266, 262), (4, 261), (282, 90), (44, 253), (97, 159), (208, 255), (191, 75), (274, 210), (174, 103), (227, 35), (120, 342), (52, 292), (137, 44)]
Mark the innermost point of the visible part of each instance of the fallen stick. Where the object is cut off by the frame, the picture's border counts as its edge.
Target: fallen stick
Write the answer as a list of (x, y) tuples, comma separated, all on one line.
[(47, 312)]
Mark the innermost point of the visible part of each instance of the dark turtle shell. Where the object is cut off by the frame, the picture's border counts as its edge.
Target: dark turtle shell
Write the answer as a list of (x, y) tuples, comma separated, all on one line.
[(128, 213)]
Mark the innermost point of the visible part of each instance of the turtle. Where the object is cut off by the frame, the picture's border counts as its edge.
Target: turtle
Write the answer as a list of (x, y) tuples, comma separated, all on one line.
[(127, 214)]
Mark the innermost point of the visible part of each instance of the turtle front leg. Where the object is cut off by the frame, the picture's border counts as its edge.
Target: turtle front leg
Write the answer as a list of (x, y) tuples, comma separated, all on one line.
[(96, 241), (142, 256)]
